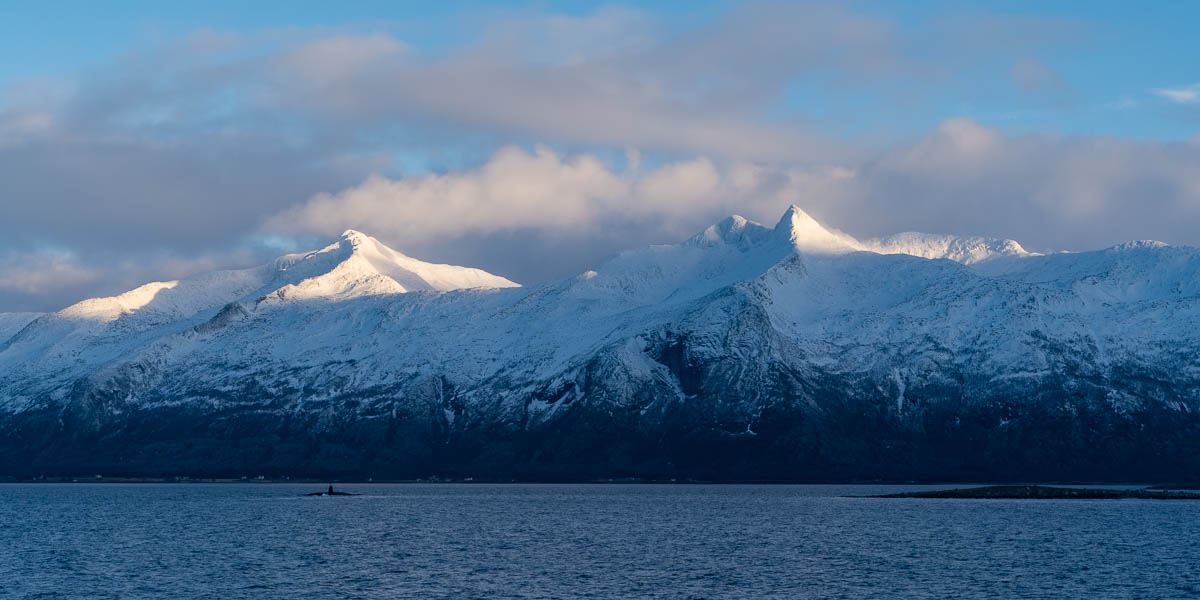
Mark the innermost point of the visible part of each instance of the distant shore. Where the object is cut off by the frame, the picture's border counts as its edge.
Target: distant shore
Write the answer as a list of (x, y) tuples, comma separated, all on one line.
[(1045, 492), (965, 489)]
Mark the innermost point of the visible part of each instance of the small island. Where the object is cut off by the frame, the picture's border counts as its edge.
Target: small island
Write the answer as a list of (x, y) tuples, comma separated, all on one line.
[(1044, 492)]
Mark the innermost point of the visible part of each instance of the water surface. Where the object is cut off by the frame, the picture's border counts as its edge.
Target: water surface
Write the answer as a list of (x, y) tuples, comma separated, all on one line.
[(583, 541)]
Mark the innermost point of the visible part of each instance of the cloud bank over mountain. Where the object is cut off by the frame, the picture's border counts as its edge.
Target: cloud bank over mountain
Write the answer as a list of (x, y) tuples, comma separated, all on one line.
[(1061, 193), (534, 143)]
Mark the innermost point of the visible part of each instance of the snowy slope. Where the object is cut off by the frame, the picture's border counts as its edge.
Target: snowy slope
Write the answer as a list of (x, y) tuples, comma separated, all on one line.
[(57, 347), (355, 264), (966, 250), (783, 351), (365, 266), (11, 323)]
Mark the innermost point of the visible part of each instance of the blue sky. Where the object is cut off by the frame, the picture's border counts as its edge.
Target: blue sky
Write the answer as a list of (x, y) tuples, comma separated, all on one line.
[(150, 140)]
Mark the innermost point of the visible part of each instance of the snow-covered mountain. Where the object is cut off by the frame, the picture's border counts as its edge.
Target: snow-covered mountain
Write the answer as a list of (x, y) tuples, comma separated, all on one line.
[(792, 352), (11, 323)]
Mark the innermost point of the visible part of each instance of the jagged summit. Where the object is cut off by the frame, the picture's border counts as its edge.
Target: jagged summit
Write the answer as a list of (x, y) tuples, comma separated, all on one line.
[(807, 235), (354, 235)]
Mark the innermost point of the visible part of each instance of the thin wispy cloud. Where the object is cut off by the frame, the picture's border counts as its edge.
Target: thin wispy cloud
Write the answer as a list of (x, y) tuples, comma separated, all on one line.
[(1189, 94)]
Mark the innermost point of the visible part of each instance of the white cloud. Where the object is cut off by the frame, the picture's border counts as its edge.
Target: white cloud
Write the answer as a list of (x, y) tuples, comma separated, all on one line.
[(570, 197), (1189, 94), (513, 189), (1045, 191)]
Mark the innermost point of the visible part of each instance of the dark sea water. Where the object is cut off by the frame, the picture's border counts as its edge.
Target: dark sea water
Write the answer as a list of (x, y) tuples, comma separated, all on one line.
[(583, 541)]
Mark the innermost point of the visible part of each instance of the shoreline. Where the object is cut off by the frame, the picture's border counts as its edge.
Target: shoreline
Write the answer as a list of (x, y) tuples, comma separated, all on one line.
[(1152, 486), (1045, 492)]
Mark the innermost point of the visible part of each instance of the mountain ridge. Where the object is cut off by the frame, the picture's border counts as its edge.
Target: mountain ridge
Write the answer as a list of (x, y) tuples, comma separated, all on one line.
[(794, 352)]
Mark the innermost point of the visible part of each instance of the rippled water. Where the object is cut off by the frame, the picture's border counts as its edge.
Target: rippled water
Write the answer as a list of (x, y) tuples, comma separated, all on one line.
[(591, 541)]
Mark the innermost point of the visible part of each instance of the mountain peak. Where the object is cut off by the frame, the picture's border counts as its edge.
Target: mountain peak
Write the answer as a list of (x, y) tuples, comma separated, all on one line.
[(1137, 244), (808, 235), (358, 264), (736, 230), (794, 211), (357, 240)]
